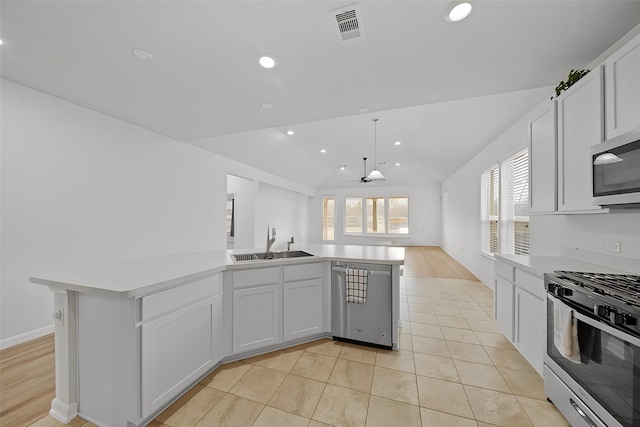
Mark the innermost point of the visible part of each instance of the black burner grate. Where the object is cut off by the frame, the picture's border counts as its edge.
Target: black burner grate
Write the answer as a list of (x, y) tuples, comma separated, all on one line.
[(625, 287)]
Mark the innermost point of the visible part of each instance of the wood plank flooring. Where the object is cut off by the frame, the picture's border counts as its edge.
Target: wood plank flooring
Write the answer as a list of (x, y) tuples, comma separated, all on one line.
[(27, 371)]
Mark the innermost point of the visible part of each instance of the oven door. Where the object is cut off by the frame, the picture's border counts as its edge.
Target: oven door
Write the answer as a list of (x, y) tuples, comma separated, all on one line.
[(608, 370)]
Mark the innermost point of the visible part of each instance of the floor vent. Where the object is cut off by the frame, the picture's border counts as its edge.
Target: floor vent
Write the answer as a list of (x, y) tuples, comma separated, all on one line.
[(349, 22)]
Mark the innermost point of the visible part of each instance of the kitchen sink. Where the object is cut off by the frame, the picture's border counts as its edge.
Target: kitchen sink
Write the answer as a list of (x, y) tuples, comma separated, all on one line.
[(261, 256)]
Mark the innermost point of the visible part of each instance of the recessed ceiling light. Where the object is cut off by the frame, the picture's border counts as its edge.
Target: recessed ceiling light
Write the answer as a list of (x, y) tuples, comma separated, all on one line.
[(267, 106), (397, 164), (142, 54), (397, 143), (290, 132), (267, 61), (1, 42), (323, 151), (343, 167), (363, 110), (458, 10)]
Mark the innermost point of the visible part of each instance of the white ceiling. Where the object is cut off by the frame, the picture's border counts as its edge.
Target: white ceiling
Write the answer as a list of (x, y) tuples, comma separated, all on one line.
[(445, 90)]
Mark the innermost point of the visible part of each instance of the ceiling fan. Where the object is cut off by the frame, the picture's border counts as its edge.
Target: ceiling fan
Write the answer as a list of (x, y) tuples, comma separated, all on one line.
[(368, 178), (375, 174)]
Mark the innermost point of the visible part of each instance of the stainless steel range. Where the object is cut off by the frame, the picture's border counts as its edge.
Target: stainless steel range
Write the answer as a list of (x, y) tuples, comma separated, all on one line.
[(592, 360)]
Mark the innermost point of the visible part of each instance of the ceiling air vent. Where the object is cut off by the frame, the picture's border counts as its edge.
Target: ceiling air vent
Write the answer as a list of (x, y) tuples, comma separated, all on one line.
[(349, 22)]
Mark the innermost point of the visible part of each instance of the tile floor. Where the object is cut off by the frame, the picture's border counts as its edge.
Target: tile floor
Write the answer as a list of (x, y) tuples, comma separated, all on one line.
[(454, 369)]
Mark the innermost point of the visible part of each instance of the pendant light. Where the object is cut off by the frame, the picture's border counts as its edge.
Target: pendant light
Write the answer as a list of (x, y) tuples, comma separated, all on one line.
[(606, 159), (375, 173)]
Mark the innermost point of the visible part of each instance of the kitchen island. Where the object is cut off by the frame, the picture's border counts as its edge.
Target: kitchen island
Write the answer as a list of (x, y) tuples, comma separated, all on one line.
[(132, 337)]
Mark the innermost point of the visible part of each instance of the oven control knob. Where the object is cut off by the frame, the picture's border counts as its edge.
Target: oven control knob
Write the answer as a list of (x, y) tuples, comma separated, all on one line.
[(616, 318), (600, 310), (563, 292)]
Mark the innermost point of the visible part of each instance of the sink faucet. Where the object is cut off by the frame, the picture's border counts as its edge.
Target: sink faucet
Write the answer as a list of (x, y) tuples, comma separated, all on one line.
[(270, 240), (289, 243)]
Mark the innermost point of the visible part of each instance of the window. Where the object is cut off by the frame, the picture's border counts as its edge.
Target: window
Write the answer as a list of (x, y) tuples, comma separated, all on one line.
[(231, 208), (382, 215), (328, 218), (504, 206)]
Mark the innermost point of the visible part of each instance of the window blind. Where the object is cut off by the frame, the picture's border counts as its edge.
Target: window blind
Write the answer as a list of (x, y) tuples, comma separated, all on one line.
[(514, 218), (489, 209)]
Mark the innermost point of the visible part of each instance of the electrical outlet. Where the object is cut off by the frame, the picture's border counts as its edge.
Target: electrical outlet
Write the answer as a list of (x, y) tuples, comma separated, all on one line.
[(612, 247)]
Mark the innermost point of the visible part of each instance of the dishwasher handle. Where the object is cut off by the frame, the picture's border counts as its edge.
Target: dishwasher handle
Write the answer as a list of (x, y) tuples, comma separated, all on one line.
[(371, 272)]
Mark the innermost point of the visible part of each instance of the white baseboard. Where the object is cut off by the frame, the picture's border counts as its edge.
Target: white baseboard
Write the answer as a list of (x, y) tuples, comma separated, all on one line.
[(27, 336)]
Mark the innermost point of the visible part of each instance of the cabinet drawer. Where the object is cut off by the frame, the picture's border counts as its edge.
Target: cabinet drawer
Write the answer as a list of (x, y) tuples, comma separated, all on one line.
[(302, 272), (171, 299), (532, 284), (258, 276), (504, 270)]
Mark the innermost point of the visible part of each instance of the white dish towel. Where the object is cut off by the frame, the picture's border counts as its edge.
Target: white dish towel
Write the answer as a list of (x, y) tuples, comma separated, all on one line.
[(356, 285), (565, 331)]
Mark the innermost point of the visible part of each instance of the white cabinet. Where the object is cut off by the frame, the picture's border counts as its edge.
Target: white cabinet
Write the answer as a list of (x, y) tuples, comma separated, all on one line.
[(257, 317), (622, 90), (303, 307), (580, 117), (542, 158), (520, 312)]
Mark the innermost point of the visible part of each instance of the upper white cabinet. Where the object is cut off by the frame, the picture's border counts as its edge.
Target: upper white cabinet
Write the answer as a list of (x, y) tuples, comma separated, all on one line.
[(580, 117), (622, 90), (542, 158)]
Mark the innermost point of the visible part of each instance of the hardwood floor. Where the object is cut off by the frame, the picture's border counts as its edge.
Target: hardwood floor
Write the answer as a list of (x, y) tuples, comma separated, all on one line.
[(27, 382), (27, 371)]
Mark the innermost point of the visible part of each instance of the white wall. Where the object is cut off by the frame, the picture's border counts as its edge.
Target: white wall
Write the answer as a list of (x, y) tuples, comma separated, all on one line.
[(80, 188), (425, 220)]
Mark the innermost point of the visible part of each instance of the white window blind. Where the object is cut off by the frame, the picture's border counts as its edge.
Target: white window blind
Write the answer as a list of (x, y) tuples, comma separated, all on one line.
[(514, 214), (489, 209)]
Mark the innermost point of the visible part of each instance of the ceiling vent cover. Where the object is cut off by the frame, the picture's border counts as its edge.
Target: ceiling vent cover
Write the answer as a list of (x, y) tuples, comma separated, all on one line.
[(349, 20)]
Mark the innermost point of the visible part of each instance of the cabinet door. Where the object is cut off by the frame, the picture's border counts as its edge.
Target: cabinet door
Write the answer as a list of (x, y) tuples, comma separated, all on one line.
[(256, 318), (302, 308), (503, 306), (579, 127), (177, 349), (529, 327), (622, 90), (542, 159)]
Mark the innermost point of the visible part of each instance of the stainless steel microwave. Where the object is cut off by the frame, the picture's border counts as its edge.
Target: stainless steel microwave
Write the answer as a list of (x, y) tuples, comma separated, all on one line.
[(616, 171)]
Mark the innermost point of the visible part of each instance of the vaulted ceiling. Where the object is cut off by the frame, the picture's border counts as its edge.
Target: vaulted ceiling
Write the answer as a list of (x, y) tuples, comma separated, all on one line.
[(444, 90)]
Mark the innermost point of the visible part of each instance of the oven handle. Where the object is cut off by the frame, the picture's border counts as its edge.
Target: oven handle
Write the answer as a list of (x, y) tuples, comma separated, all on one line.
[(604, 327), (580, 412)]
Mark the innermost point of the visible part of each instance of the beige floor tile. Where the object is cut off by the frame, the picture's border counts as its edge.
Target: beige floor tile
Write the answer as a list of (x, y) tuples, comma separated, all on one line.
[(404, 315), (390, 413), (328, 347), (191, 407), (421, 308), (405, 327), (358, 353), (232, 411), (468, 305), (405, 341), (153, 423), (497, 408), (468, 352), (426, 318), (298, 395), (459, 335), (353, 375), (399, 360), (542, 413), (453, 322), (443, 396), (416, 300), (480, 375), (270, 417), (431, 331), (511, 359), (438, 367), (447, 311), (473, 314), (315, 423), (314, 366), (282, 360), (489, 339), (432, 346), (395, 385), (339, 406), (432, 418), (481, 424), (49, 421), (439, 296), (422, 293), (226, 376), (528, 384), (484, 326), (259, 384), (460, 296)]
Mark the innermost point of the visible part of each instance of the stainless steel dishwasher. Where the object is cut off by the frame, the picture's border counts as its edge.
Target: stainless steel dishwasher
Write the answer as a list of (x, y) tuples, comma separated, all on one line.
[(369, 323)]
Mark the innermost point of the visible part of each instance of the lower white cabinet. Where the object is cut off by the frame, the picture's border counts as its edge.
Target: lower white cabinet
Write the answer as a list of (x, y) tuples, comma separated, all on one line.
[(529, 327), (503, 306), (302, 308), (257, 315), (177, 349)]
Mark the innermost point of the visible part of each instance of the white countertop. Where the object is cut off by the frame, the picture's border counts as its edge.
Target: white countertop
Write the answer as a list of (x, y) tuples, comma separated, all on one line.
[(143, 276), (538, 265)]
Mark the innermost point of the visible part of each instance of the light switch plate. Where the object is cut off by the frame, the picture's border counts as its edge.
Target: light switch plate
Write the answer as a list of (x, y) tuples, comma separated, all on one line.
[(613, 247)]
